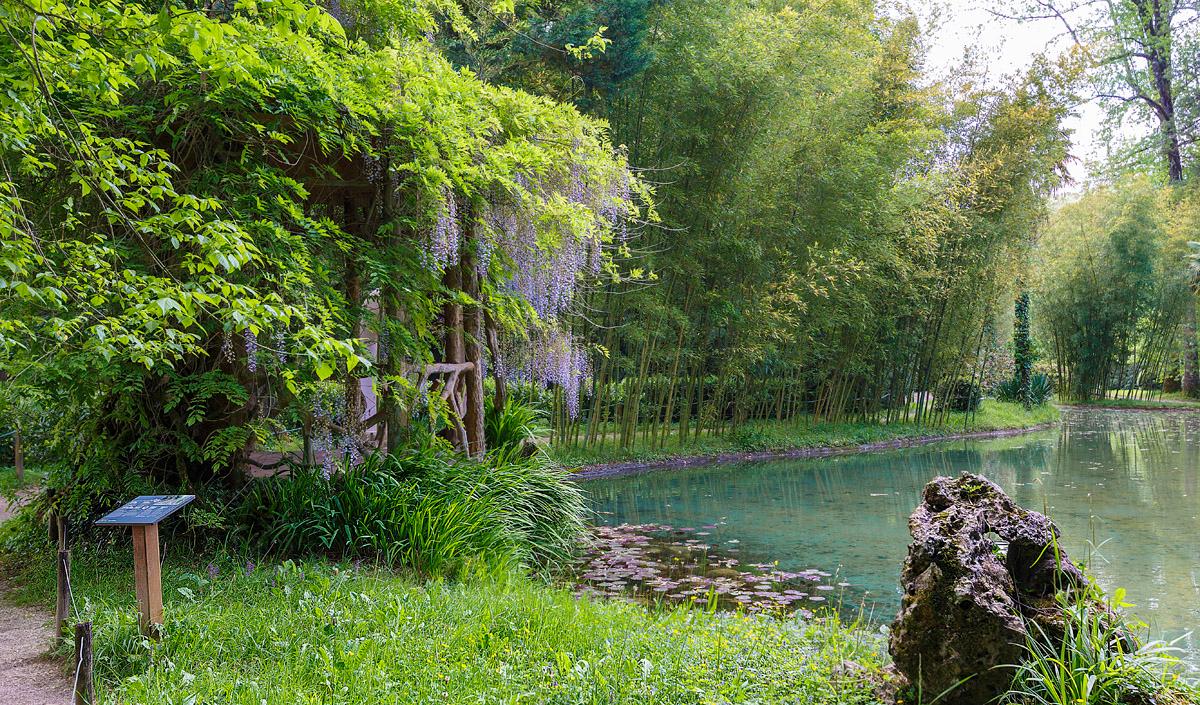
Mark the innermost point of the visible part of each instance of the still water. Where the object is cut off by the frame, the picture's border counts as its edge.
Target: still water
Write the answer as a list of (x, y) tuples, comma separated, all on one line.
[(1123, 486)]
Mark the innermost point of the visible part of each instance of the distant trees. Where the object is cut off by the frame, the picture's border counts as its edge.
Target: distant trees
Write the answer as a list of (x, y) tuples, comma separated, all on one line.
[(836, 233), (1144, 56), (1111, 292), (1023, 349)]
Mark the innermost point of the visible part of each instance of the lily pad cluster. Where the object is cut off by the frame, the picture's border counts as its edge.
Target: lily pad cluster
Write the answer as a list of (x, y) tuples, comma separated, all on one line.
[(657, 564)]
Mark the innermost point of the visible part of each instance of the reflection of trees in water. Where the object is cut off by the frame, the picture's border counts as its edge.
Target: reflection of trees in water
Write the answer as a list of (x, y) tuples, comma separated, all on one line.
[(1150, 458), (793, 482)]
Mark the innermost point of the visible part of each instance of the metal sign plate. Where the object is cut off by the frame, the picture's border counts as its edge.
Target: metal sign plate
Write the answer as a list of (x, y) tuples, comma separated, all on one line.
[(146, 510)]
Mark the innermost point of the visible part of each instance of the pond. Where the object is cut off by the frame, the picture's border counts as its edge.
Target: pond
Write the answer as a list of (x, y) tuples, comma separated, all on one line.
[(1123, 486)]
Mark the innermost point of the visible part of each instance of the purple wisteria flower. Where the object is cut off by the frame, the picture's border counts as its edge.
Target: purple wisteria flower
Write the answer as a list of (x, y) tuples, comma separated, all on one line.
[(251, 351), (445, 238)]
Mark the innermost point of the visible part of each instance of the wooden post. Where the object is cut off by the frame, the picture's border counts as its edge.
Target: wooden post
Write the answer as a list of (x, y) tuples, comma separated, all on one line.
[(147, 573), (85, 687), (62, 605), (473, 352), (18, 456)]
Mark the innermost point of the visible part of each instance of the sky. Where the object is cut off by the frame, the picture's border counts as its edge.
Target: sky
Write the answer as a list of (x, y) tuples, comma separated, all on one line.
[(1009, 46)]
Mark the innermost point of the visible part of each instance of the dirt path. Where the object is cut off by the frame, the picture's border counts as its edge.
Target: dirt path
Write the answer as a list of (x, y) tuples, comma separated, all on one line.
[(29, 674)]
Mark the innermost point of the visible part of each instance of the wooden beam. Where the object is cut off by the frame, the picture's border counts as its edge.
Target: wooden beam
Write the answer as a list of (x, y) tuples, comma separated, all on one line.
[(62, 605)]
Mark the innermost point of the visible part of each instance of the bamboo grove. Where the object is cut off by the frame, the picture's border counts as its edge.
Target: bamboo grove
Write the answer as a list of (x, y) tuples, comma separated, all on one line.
[(841, 235), (1114, 288)]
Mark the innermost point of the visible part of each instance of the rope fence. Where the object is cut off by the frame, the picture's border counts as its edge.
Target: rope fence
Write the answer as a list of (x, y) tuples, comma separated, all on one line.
[(83, 685)]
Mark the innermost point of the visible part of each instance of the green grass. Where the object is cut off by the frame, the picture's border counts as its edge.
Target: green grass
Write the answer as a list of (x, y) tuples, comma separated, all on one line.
[(319, 632), (1166, 401), (8, 478), (773, 436)]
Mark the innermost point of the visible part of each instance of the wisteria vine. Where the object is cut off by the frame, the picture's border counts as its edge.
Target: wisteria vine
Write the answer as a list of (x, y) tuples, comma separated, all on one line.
[(546, 252)]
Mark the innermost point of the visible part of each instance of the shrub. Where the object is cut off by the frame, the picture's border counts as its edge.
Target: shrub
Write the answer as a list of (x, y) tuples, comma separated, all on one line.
[(1009, 390), (511, 426), (750, 439), (425, 510), (964, 396), (1041, 390)]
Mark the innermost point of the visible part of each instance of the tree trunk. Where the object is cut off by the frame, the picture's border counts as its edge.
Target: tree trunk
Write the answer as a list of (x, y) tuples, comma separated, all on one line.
[(1191, 361), (393, 420), (452, 339), (493, 344), (473, 351), (18, 455)]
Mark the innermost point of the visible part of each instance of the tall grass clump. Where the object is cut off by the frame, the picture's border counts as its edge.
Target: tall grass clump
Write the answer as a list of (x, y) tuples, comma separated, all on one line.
[(511, 425), (1098, 659), (426, 510)]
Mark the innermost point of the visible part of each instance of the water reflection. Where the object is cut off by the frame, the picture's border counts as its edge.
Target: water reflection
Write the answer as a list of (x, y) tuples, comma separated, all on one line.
[(1123, 486)]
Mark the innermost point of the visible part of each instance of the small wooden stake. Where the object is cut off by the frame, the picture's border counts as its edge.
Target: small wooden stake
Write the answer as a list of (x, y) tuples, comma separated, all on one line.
[(147, 575), (62, 607), (85, 687)]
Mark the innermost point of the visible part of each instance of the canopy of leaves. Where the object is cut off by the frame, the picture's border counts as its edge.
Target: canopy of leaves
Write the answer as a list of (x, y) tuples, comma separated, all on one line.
[(177, 174)]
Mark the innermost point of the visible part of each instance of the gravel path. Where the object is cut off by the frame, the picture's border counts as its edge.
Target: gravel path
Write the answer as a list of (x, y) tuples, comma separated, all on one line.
[(29, 675)]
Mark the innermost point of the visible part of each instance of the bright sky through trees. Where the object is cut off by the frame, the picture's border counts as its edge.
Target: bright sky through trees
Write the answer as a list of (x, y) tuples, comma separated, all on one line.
[(1004, 47)]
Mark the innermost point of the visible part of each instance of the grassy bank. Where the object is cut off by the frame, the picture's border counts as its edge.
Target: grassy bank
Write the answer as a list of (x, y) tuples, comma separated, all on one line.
[(8, 478), (318, 632), (1168, 402), (781, 437)]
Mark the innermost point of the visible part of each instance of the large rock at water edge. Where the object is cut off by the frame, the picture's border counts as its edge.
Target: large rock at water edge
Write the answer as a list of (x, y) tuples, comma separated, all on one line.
[(978, 569)]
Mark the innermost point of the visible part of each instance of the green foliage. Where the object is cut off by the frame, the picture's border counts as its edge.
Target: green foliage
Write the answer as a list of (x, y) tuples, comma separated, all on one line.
[(424, 510), (511, 427), (532, 48), (1097, 660), (1040, 390), (963, 395)]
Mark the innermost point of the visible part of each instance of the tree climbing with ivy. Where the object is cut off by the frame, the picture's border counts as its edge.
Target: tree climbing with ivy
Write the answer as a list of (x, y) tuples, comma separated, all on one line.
[(1023, 355)]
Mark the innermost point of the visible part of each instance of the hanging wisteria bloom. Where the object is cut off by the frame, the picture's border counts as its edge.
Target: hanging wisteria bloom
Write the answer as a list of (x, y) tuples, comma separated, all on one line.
[(251, 351), (227, 347), (281, 347), (552, 358), (444, 240), (614, 206)]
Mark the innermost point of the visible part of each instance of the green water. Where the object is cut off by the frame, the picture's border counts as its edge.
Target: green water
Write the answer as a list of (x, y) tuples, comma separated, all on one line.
[(1123, 486)]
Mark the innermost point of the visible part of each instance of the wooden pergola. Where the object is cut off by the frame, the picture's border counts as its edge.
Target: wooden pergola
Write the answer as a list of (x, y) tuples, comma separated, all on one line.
[(360, 196)]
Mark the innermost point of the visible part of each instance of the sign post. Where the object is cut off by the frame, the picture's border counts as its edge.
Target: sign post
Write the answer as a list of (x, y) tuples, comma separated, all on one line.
[(144, 515)]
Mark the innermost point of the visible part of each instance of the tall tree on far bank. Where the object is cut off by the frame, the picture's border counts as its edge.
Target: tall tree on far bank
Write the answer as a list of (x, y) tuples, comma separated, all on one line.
[(1023, 348), (1138, 47)]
